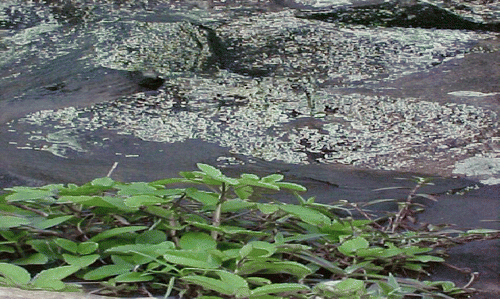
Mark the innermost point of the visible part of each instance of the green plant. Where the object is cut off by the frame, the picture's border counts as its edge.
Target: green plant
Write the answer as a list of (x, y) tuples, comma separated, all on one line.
[(207, 235)]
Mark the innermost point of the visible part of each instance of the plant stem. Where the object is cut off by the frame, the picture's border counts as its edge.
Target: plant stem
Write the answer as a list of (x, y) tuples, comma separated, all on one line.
[(217, 213)]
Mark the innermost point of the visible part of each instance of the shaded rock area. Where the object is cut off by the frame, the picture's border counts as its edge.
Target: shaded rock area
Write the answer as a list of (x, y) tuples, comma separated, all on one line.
[(404, 14), (344, 98)]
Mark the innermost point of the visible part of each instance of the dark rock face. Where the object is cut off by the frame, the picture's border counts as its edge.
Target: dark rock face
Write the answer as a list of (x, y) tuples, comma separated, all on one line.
[(400, 14)]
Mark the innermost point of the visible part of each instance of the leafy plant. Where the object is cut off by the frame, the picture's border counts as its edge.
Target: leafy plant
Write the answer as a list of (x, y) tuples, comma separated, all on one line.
[(208, 235)]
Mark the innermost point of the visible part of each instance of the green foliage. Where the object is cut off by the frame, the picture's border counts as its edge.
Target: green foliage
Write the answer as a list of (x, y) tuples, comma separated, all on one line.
[(210, 239)]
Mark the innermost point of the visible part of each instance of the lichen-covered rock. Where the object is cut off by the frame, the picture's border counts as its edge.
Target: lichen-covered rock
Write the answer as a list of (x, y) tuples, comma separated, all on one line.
[(264, 84)]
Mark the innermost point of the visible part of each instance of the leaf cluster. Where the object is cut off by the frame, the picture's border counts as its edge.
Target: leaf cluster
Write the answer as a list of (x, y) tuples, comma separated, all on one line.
[(205, 235)]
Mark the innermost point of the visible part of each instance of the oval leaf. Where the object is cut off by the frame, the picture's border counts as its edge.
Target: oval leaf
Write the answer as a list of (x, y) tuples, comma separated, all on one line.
[(106, 271), (15, 274), (351, 246), (197, 241), (116, 232)]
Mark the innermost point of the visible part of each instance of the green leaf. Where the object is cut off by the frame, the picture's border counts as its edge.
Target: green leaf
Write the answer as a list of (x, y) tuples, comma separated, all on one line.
[(345, 289), (67, 245), (47, 223), (89, 201), (274, 267), (483, 231), (258, 249), (28, 194), (258, 280), (250, 176), (307, 215), (103, 182), (238, 230), (238, 283), (12, 221), (87, 247), (133, 277), (277, 288), (51, 279), (210, 283), (321, 262), (80, 261), (236, 205), (268, 208), (136, 188), (351, 246), (261, 184), (34, 259), (7, 248), (151, 237), (159, 211), (45, 247), (143, 200), (243, 192), (153, 250), (107, 270), (14, 274), (273, 178), (216, 174), (195, 259), (291, 186), (116, 232), (197, 241), (118, 202), (427, 259), (206, 198)]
